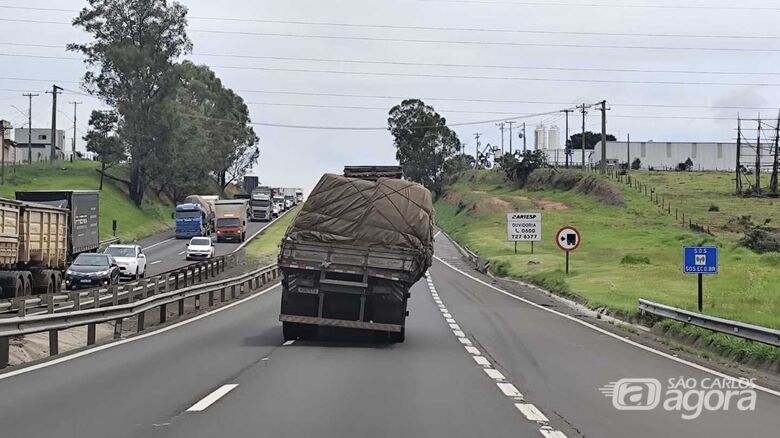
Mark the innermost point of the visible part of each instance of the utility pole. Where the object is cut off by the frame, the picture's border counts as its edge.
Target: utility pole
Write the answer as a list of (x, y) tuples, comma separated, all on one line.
[(54, 91), (476, 154), (628, 153), (603, 110), (738, 187), (3, 124), (29, 126), (758, 158), (75, 104), (524, 146), (501, 128), (511, 122), (584, 110), (567, 143), (773, 179)]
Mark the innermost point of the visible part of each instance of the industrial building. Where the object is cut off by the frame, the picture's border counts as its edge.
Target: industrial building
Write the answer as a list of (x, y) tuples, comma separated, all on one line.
[(547, 138), (40, 144)]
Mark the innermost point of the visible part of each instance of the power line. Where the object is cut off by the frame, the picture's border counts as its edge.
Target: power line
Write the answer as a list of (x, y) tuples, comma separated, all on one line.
[(609, 5), (426, 28), (432, 64)]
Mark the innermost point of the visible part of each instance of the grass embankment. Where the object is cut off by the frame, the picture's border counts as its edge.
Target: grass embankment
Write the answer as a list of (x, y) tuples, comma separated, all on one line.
[(264, 248), (627, 252), (133, 222)]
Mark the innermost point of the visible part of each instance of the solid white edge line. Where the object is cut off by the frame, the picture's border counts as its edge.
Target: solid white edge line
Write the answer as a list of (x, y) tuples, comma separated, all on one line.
[(212, 398), (494, 374), (610, 334), (509, 389), (134, 338), (437, 234), (531, 412)]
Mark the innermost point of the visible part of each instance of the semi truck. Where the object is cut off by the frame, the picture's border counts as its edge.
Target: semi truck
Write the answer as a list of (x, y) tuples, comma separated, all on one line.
[(231, 217), (260, 203), (356, 270), (298, 195), (289, 194), (83, 216), (33, 247), (195, 216)]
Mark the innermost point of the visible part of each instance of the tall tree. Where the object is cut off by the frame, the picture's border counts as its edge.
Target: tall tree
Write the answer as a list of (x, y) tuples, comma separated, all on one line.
[(423, 142), (103, 141), (591, 140), (131, 68)]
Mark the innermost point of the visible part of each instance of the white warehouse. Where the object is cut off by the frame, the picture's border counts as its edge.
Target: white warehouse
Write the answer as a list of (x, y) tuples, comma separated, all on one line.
[(666, 155)]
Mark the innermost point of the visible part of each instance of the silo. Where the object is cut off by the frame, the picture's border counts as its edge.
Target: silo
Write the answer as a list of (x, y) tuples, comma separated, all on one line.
[(540, 137), (554, 138)]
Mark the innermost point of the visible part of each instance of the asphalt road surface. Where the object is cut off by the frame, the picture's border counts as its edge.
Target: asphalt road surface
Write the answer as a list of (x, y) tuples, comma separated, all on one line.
[(476, 363)]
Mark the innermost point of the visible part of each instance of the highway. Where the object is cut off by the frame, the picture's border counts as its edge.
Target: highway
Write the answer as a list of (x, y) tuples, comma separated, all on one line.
[(477, 362)]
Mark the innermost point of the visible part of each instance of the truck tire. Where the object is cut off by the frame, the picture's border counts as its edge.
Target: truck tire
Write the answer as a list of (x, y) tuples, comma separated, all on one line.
[(12, 284), (57, 281), (28, 284), (48, 286)]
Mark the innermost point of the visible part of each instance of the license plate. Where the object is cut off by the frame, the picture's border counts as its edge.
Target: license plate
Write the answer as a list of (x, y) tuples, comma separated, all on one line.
[(308, 290), (86, 281)]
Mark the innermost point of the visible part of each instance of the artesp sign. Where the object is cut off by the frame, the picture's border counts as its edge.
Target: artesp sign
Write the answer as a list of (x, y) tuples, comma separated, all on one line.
[(524, 227)]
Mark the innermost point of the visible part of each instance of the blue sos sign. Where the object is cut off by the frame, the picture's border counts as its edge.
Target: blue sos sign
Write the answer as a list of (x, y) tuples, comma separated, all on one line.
[(700, 260)]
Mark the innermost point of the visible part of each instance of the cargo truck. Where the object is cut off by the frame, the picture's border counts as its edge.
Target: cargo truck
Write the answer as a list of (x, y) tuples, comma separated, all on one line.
[(33, 247), (260, 204), (231, 215), (83, 218), (298, 195), (194, 217), (356, 270)]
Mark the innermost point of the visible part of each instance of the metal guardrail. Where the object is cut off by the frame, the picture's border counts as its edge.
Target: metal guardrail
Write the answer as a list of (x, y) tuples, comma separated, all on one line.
[(735, 328), (481, 264), (158, 297), (104, 243)]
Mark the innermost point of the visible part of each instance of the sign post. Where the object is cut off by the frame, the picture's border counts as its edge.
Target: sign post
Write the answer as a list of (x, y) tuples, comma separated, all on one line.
[(524, 227), (700, 260), (567, 239)]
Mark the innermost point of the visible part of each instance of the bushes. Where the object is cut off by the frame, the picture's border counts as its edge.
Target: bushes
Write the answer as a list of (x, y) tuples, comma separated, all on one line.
[(631, 259), (714, 207), (761, 240), (572, 180), (636, 164)]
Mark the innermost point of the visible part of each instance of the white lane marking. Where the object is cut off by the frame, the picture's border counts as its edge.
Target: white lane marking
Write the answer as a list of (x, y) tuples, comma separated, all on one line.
[(447, 315), (509, 389), (455, 326), (610, 334), (181, 253), (459, 333), (450, 321), (155, 262), (473, 350), (158, 243), (494, 374), (481, 360), (549, 433), (437, 234), (464, 341), (531, 412), (290, 342), (134, 338), (212, 398)]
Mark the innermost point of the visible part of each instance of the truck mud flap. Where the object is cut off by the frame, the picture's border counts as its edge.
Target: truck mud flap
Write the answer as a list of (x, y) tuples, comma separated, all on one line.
[(341, 323)]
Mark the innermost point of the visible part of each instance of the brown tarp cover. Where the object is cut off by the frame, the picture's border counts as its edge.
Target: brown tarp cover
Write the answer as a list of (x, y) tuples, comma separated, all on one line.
[(387, 213)]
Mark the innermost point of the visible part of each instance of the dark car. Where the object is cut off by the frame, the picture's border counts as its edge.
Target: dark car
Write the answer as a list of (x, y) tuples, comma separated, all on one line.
[(89, 270)]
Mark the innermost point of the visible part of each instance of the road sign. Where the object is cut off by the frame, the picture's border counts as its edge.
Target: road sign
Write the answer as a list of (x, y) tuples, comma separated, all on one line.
[(568, 239), (700, 260), (524, 227)]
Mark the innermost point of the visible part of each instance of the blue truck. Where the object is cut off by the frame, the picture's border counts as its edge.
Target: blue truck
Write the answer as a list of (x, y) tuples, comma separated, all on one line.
[(194, 217)]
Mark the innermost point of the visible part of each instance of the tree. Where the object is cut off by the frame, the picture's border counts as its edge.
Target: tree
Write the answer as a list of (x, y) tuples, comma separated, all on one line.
[(130, 65), (591, 140), (103, 141), (518, 169), (423, 142)]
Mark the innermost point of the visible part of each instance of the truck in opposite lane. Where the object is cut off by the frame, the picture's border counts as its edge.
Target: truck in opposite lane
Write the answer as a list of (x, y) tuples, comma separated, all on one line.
[(195, 216), (355, 270)]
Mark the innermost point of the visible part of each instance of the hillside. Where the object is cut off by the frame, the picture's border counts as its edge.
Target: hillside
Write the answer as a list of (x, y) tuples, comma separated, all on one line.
[(133, 222), (626, 253)]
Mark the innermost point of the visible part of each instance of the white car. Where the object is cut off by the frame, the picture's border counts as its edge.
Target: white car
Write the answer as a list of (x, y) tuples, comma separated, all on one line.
[(275, 210), (130, 259), (200, 248)]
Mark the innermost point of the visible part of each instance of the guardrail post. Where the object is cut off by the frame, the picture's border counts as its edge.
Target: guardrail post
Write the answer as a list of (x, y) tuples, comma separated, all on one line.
[(157, 282), (118, 328), (5, 345), (200, 272), (22, 311), (76, 298), (181, 307), (91, 334), (163, 314), (141, 321), (233, 292), (197, 302), (50, 304), (192, 277), (206, 268), (176, 285), (54, 342), (222, 295), (96, 298), (115, 294), (211, 298)]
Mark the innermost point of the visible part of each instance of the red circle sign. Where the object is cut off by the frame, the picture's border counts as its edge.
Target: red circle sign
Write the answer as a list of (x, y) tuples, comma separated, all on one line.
[(567, 239)]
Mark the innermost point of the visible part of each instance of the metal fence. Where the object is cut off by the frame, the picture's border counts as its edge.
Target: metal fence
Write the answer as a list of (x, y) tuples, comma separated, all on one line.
[(736, 328)]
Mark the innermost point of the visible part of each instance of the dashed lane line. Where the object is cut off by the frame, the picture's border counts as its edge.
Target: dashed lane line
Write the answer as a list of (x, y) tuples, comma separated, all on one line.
[(531, 412), (212, 398)]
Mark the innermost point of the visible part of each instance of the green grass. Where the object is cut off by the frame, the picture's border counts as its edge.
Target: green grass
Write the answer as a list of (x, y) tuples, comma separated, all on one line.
[(264, 248), (133, 222), (626, 252), (708, 197)]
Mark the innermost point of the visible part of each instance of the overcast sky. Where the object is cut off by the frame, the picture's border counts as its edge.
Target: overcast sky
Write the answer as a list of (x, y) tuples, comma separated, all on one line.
[(297, 157)]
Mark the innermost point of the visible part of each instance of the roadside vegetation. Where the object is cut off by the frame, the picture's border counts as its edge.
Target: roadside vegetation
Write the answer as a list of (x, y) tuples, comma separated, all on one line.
[(133, 222), (628, 251), (264, 248)]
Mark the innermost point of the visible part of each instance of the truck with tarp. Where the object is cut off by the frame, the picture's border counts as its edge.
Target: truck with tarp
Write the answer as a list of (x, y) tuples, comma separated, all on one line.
[(352, 254), (34, 241), (194, 216)]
